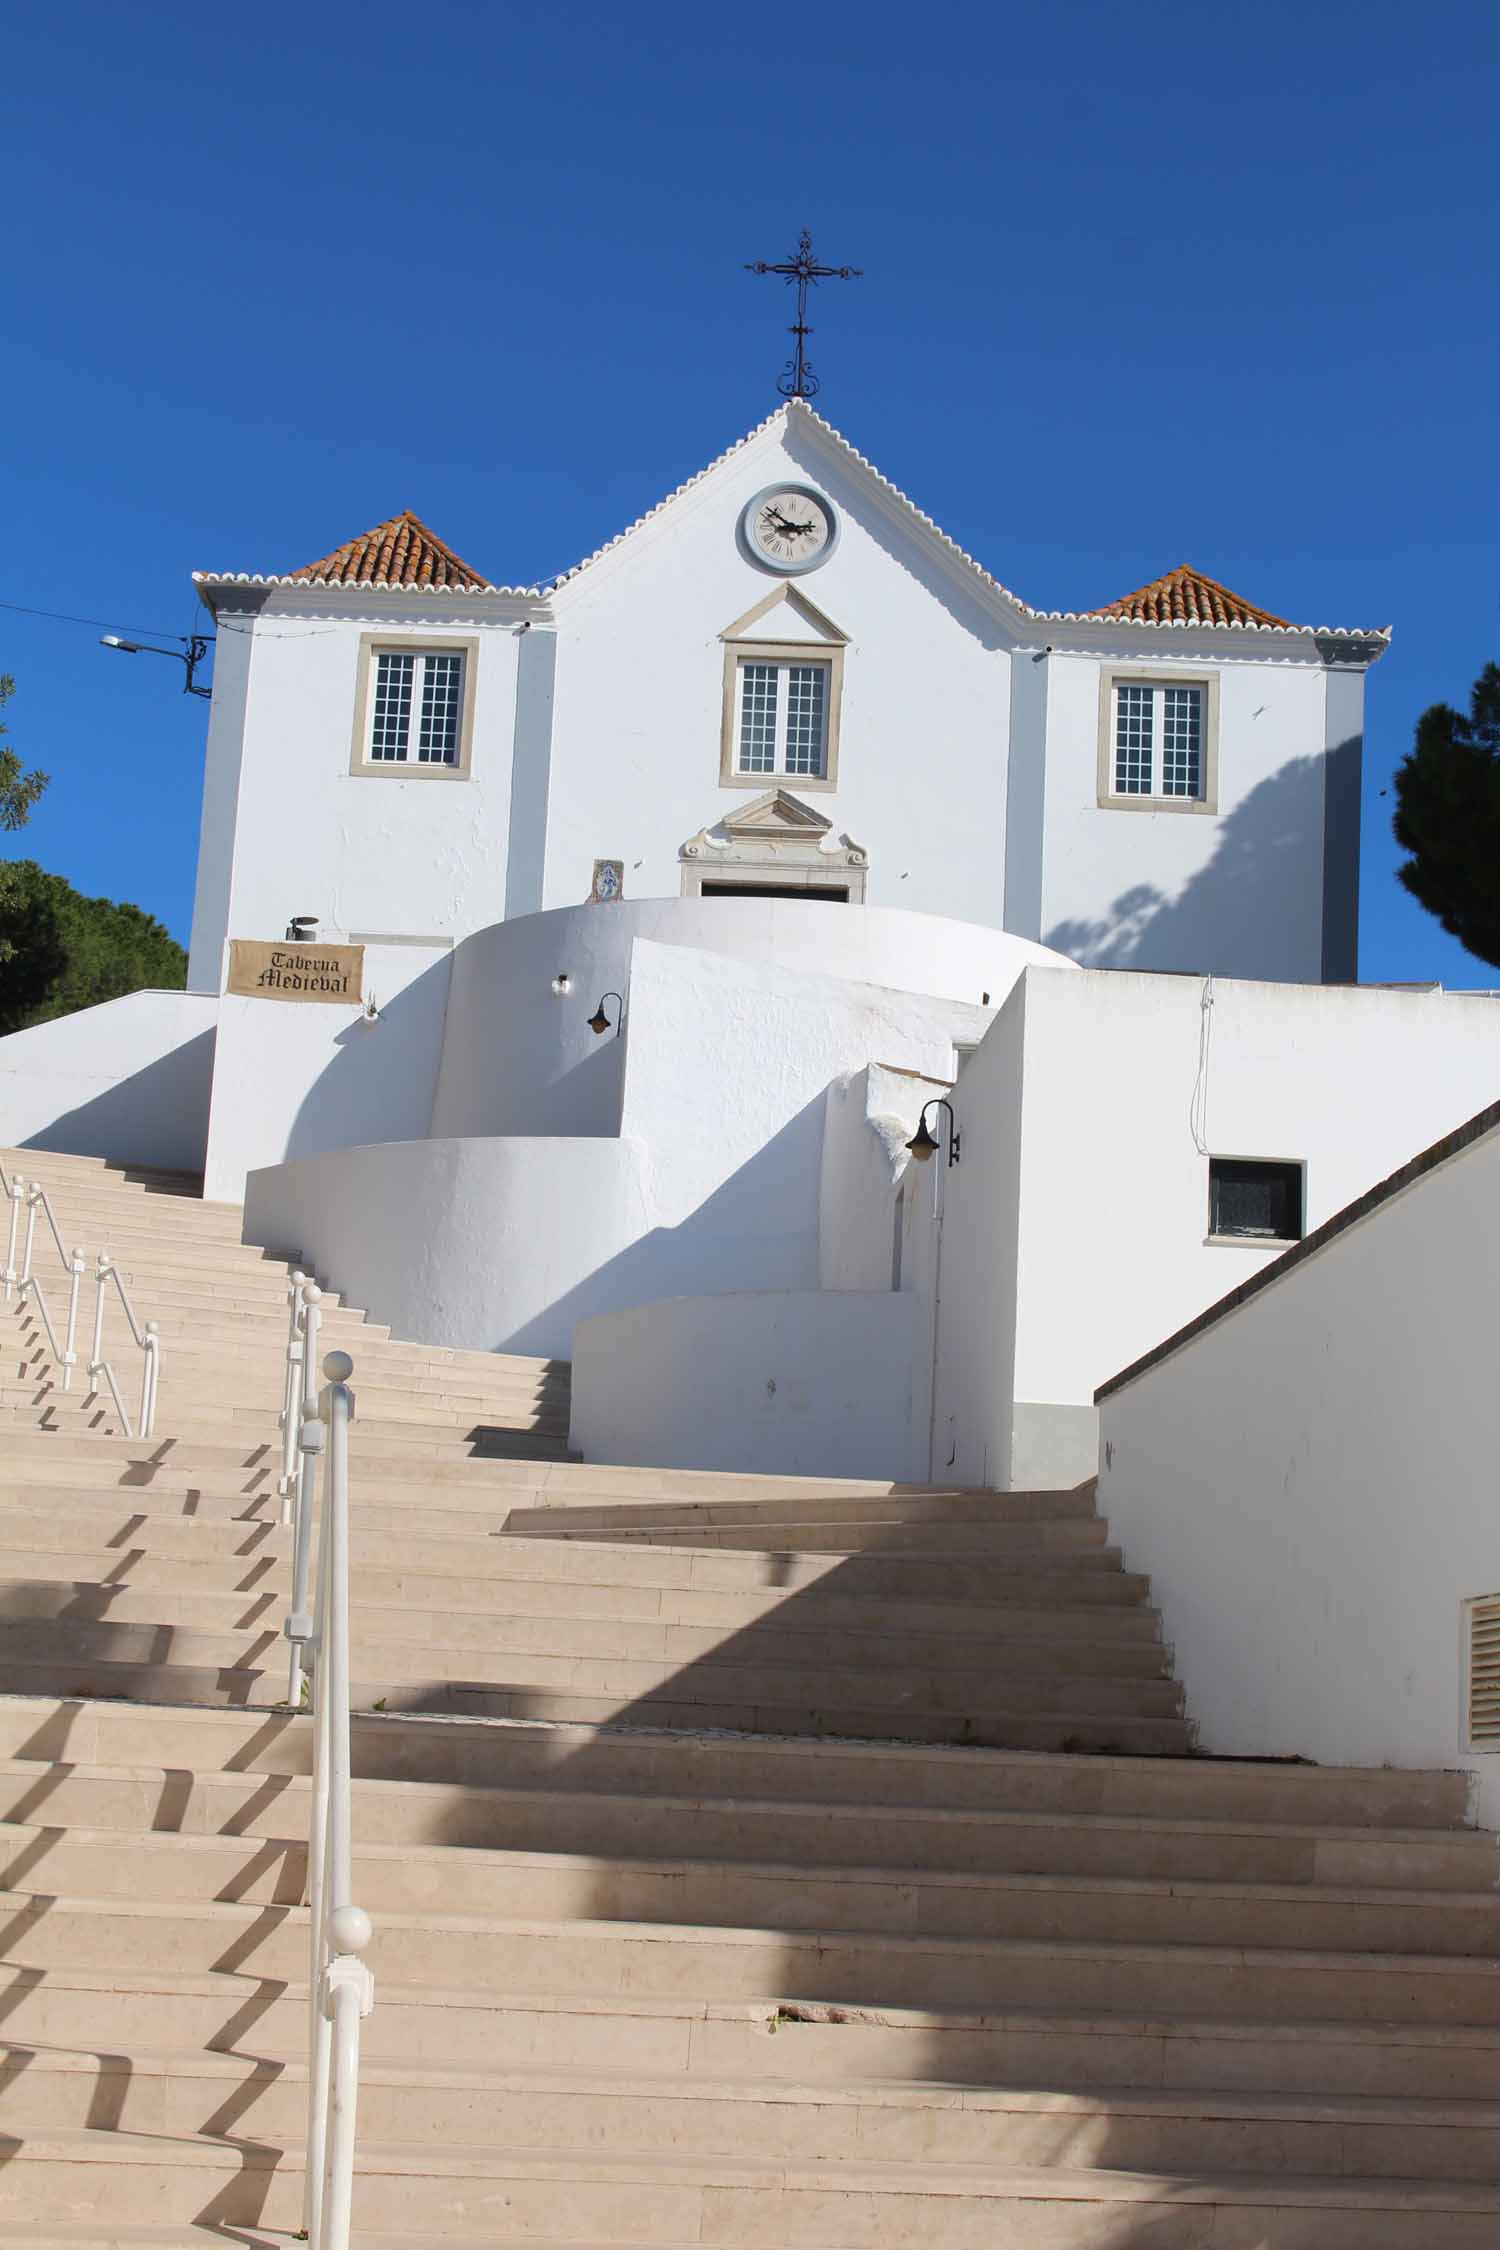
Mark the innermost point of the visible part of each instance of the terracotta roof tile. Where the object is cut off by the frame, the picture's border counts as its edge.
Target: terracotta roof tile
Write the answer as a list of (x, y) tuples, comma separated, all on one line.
[(400, 552), (1185, 597)]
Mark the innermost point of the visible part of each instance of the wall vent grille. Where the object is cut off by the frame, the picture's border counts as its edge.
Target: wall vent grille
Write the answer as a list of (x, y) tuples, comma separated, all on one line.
[(1484, 1673)]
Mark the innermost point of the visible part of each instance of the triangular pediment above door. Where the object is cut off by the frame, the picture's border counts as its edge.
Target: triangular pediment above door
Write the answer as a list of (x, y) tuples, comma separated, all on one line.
[(777, 813), (786, 616)]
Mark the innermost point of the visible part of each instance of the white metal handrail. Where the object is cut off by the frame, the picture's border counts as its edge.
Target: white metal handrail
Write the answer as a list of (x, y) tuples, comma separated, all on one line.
[(146, 1337), (22, 1282), (22, 1279), (341, 1988)]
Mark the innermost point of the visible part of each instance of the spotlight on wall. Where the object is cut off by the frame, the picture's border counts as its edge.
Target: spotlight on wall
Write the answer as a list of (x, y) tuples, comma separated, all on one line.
[(370, 1013), (562, 984), (599, 1020), (923, 1145), (302, 929)]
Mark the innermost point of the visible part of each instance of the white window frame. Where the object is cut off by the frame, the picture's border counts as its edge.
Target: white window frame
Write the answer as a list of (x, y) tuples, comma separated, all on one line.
[(412, 767), (783, 656), (1156, 799)]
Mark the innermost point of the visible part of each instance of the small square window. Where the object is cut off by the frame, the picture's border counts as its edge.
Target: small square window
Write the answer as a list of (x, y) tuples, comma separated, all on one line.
[(1254, 1201), (412, 709), (1157, 742)]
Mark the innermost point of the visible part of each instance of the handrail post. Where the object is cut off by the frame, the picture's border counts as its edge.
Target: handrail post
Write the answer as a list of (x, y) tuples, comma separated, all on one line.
[(309, 1439), (291, 1393), (33, 1197), (150, 1377), (101, 1277), (342, 1989), (70, 1349), (16, 1196)]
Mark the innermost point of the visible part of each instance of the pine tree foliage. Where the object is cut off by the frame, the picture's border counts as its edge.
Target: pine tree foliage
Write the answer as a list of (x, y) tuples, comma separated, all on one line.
[(68, 952), (1448, 817), (19, 790)]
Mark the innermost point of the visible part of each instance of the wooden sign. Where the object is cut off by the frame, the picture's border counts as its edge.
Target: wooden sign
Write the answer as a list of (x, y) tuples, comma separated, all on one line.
[(335, 973)]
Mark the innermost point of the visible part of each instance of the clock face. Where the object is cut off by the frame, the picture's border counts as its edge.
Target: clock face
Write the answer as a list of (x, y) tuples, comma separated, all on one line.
[(789, 528)]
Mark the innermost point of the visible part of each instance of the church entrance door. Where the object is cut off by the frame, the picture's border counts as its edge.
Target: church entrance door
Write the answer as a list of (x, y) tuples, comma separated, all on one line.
[(832, 894)]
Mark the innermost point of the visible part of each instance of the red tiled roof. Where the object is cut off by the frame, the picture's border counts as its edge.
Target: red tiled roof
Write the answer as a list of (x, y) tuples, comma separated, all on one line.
[(1185, 597), (399, 552)]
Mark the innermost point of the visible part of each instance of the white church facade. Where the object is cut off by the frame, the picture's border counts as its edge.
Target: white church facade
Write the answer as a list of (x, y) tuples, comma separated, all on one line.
[(681, 886)]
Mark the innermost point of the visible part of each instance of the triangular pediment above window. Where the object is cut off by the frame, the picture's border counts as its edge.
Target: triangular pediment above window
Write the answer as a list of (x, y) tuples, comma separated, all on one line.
[(777, 813), (786, 616)]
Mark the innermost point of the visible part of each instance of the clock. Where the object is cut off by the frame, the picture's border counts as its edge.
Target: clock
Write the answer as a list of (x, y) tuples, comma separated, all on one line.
[(789, 528)]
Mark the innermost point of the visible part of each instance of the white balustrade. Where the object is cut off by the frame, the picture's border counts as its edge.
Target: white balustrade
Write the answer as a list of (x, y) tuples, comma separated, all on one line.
[(341, 1988)]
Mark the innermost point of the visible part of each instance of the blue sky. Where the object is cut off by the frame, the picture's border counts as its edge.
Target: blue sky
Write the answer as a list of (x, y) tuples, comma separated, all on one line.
[(1143, 286)]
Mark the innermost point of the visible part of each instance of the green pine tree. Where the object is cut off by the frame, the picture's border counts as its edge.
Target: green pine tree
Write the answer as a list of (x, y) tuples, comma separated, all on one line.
[(1448, 817)]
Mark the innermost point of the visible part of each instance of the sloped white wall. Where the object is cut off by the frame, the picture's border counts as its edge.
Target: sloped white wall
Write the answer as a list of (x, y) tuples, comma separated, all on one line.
[(128, 1080), (1311, 1484)]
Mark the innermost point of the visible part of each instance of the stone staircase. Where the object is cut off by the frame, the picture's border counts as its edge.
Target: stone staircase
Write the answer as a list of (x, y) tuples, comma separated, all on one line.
[(796, 1865)]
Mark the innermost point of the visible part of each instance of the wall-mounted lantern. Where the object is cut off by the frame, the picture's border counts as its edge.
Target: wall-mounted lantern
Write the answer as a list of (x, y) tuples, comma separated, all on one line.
[(599, 1021), (923, 1145)]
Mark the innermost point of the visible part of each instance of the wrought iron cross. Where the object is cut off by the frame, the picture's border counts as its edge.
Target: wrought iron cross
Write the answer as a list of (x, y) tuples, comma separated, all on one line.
[(797, 379)]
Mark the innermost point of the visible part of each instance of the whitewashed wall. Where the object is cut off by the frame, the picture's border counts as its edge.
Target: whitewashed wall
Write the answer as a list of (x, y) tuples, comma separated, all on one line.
[(1110, 1250), (518, 1060), (812, 1384), (384, 854), (128, 1080), (1311, 1484), (406, 865), (967, 1221), (487, 1245), (727, 1063), (1125, 888), (291, 1080)]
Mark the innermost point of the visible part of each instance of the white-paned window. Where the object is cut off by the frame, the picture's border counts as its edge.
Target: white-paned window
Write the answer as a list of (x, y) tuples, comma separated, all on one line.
[(781, 722), (1158, 740), (416, 707)]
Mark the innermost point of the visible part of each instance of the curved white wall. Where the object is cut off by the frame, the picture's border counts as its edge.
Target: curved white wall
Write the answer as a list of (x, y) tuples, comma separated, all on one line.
[(812, 1383), (518, 1060)]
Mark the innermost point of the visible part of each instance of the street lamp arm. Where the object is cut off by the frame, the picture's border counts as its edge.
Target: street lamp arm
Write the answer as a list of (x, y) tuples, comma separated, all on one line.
[(193, 652)]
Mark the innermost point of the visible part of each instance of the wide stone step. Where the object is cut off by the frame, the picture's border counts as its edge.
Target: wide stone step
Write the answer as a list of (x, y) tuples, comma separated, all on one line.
[(1035, 1908), (657, 1763), (881, 2121), (401, 1535), (779, 2041), (889, 1507), (1076, 1717), (177, 1560), (843, 1968), (845, 1535), (567, 1815), (779, 1639), (578, 2198), (958, 1677)]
